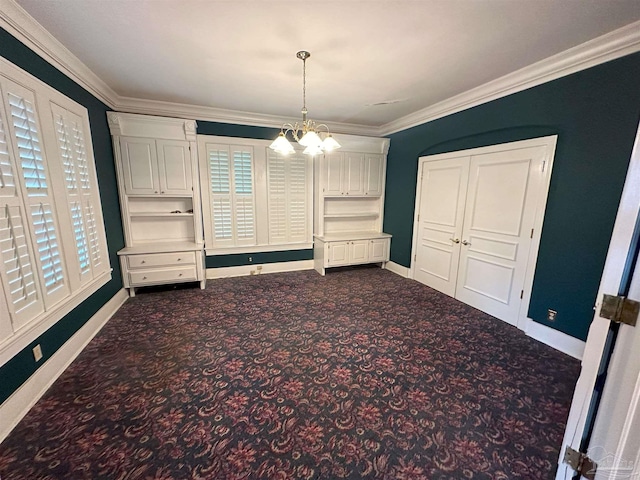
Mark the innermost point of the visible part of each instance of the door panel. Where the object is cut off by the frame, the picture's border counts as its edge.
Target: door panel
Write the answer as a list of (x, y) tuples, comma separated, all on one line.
[(499, 214), (359, 251), (442, 195), (140, 165)]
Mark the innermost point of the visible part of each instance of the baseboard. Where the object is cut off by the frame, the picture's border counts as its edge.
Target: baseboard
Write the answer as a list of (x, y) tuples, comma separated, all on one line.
[(21, 401), (257, 269), (398, 269), (555, 339)]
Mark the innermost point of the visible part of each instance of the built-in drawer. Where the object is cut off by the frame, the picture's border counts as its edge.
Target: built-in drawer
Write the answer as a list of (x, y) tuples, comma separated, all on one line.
[(172, 275), (161, 259)]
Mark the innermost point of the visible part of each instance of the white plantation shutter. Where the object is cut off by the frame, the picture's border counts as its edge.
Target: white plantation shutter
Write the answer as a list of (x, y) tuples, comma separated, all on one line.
[(243, 196), (7, 180), (24, 299), (288, 198), (220, 176), (232, 195), (26, 137), (277, 188), (79, 193), (52, 235)]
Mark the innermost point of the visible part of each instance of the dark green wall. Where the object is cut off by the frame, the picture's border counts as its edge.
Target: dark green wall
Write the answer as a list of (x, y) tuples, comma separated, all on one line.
[(595, 114), (15, 372), (236, 260)]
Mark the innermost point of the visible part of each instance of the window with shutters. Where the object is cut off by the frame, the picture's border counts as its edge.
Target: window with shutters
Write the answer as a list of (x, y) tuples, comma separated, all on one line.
[(258, 201), (232, 199), (52, 240)]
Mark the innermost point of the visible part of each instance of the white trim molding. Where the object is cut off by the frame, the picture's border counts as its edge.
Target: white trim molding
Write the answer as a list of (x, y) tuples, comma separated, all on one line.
[(258, 269), (397, 269), (616, 44), (610, 46), (555, 339), (21, 401)]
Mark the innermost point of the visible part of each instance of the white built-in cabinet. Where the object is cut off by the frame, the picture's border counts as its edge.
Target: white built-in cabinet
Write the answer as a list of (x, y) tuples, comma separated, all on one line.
[(156, 161), (349, 204)]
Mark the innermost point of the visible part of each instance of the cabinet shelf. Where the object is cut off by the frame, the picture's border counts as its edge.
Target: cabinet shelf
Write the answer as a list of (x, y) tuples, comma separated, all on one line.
[(353, 215), (160, 214)]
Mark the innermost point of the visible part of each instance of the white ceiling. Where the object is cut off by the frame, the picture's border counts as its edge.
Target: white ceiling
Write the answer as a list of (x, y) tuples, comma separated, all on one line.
[(372, 61)]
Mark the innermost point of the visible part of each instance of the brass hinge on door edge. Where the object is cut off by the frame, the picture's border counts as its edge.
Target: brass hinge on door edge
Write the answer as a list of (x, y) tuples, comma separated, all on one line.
[(620, 309), (580, 463)]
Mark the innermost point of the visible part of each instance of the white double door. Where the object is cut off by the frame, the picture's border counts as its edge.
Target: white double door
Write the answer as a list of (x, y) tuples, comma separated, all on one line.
[(476, 221)]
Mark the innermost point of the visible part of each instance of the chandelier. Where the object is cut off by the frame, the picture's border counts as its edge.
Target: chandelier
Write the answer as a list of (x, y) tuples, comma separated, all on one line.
[(308, 134)]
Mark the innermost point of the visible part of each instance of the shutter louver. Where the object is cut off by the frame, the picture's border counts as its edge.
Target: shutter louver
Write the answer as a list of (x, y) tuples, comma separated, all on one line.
[(288, 203), (80, 149), (221, 198), (243, 198), (277, 198), (28, 141), (18, 267), (80, 236), (7, 181), (66, 154), (94, 238), (47, 246)]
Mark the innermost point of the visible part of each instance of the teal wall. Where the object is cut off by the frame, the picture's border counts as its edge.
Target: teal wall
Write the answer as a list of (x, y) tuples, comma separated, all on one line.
[(236, 260), (15, 372), (595, 114)]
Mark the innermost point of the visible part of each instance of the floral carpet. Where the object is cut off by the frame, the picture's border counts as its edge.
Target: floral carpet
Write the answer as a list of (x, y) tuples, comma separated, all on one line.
[(360, 374)]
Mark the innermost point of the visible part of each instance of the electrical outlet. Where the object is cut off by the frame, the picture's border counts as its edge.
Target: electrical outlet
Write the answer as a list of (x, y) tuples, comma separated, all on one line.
[(551, 315), (37, 353), (251, 259)]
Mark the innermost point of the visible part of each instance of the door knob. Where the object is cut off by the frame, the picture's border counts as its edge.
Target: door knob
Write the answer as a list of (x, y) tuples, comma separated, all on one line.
[(464, 242), (455, 240)]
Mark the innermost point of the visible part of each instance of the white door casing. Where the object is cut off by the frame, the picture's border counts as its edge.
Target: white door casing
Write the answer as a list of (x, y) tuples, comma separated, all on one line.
[(477, 224), (616, 433)]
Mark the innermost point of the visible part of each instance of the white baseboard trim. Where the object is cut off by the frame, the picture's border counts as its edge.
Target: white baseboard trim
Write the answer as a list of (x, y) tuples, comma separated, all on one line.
[(20, 402), (555, 339), (398, 269), (244, 270)]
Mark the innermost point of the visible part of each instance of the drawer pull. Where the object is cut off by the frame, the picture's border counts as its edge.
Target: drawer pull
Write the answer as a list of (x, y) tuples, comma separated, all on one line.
[(179, 274), (144, 278), (143, 261), (179, 259)]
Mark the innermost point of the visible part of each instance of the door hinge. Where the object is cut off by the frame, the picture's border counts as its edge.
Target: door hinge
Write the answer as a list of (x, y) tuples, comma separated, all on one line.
[(521, 294), (415, 257), (544, 162), (580, 463), (620, 309), (531, 233)]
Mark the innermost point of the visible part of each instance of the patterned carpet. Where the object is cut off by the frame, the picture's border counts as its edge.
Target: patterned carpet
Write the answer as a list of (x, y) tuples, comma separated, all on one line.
[(360, 374)]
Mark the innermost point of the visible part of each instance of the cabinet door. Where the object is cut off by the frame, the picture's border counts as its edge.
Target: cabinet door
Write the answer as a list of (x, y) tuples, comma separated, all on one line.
[(174, 167), (359, 250), (373, 175), (333, 174), (353, 174), (338, 253), (139, 165), (379, 250)]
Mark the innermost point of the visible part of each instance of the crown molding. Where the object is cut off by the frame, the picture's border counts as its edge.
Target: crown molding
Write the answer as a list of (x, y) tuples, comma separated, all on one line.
[(212, 114), (616, 44), (15, 20)]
